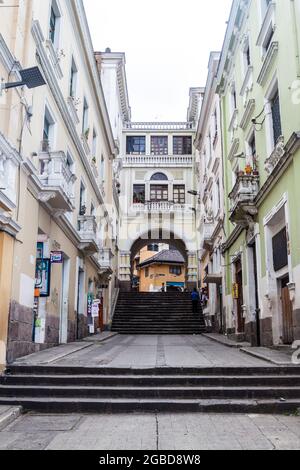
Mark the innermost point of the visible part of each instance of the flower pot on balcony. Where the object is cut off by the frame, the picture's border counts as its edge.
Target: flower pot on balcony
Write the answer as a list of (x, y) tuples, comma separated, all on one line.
[(241, 173), (255, 173), (248, 170)]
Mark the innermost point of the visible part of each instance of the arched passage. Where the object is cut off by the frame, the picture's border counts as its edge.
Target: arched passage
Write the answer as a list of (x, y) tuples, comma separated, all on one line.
[(127, 258)]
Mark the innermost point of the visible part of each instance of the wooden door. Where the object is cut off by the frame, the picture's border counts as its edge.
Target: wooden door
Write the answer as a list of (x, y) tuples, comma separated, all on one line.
[(287, 316), (240, 300)]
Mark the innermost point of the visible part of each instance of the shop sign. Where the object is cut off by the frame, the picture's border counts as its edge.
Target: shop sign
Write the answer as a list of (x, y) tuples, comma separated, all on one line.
[(57, 257)]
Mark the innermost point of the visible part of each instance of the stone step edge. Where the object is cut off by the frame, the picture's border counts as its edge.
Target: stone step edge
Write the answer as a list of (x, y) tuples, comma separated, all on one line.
[(9, 416)]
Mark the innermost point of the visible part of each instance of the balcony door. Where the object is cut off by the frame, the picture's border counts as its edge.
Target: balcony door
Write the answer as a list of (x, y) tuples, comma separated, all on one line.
[(159, 193)]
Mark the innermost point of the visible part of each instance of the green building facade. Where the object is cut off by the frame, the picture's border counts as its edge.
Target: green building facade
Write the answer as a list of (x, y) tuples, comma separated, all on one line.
[(259, 88)]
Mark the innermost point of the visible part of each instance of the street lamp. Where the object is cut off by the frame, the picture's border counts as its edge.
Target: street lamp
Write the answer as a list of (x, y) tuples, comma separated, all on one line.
[(31, 77), (194, 193)]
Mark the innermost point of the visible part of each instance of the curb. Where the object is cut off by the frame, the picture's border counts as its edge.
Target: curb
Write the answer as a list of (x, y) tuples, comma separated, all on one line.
[(224, 342), (90, 340), (9, 416), (264, 358)]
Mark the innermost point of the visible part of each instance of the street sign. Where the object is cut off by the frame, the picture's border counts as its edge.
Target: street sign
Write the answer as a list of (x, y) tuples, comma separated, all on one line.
[(57, 257)]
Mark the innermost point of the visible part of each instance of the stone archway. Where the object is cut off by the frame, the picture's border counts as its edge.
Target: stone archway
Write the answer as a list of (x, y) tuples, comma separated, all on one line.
[(127, 257)]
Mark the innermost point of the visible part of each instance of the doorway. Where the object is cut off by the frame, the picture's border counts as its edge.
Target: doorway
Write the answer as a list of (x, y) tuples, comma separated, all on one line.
[(287, 313), (64, 310), (80, 301), (240, 297)]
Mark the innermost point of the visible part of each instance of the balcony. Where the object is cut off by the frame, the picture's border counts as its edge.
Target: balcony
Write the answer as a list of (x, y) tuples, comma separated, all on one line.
[(158, 161), (207, 236), (160, 207), (57, 180), (242, 197), (87, 230), (105, 260), (159, 126)]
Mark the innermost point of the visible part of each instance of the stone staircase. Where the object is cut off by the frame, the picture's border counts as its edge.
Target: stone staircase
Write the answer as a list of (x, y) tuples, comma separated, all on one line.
[(168, 313), (69, 389)]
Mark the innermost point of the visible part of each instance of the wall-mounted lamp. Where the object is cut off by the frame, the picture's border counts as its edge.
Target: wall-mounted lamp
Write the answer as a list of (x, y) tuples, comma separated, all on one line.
[(31, 77)]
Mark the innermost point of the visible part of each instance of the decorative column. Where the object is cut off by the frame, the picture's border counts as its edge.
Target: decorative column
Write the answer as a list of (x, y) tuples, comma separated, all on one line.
[(192, 270), (125, 271)]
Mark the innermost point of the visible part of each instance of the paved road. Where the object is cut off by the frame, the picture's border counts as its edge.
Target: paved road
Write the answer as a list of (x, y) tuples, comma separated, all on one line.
[(152, 432), (146, 351)]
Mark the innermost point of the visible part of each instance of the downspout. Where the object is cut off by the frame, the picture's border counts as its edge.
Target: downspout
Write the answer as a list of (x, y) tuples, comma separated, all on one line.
[(296, 37)]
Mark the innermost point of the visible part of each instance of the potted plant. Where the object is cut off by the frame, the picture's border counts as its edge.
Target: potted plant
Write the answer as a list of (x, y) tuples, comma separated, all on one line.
[(87, 133), (248, 169), (94, 160), (241, 173)]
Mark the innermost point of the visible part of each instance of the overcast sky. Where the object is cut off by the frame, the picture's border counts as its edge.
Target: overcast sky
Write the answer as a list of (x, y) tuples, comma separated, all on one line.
[(167, 45)]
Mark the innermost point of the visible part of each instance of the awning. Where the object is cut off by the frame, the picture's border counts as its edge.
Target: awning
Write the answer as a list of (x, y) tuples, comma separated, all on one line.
[(175, 284), (213, 279)]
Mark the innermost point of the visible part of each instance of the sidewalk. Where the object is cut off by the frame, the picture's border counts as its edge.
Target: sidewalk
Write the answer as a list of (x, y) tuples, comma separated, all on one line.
[(49, 356), (279, 357)]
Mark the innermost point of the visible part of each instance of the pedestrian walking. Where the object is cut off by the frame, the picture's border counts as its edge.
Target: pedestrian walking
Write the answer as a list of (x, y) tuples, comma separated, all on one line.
[(195, 300)]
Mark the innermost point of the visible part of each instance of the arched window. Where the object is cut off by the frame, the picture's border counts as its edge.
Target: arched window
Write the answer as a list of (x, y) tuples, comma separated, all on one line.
[(159, 177)]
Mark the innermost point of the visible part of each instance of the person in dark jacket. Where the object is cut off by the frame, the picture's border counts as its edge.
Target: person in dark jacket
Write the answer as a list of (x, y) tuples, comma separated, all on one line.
[(195, 300)]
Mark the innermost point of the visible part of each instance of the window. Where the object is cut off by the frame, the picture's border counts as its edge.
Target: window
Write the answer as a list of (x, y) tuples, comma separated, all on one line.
[(276, 117), (82, 206), (153, 247), (179, 194), (182, 145), (252, 147), (94, 145), (85, 119), (159, 177), (280, 250), (139, 194), (159, 193), (48, 131), (54, 23), (268, 39), (52, 29), (159, 145), (247, 56), (73, 80), (146, 272), (102, 169), (136, 145), (176, 270)]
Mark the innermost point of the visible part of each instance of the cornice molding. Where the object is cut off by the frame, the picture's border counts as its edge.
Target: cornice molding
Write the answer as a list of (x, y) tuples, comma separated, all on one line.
[(267, 64), (247, 114)]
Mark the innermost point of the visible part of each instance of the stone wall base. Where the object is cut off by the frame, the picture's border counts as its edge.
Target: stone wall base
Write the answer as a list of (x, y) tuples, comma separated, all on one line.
[(266, 332), (296, 324)]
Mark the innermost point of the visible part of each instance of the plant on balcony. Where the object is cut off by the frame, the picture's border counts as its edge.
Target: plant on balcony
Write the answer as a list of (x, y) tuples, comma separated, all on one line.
[(94, 160), (248, 170), (241, 173)]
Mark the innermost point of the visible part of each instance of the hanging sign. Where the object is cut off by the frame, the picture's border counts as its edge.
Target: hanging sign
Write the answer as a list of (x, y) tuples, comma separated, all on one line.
[(90, 300), (57, 257), (95, 309), (42, 277), (235, 291)]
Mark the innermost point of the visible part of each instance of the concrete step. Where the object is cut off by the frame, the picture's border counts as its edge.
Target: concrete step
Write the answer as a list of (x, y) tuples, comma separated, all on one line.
[(96, 405), (152, 381), (150, 392), (198, 372)]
